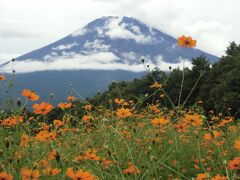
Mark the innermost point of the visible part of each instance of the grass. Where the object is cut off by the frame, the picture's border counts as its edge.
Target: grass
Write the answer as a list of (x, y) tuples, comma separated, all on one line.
[(154, 143)]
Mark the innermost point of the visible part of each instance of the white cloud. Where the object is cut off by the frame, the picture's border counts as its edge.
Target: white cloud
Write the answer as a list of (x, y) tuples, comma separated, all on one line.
[(163, 65), (96, 46), (117, 30), (65, 46), (98, 61), (79, 32)]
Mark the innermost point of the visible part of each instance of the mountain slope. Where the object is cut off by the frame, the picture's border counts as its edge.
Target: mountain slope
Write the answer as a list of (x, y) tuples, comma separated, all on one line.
[(108, 43)]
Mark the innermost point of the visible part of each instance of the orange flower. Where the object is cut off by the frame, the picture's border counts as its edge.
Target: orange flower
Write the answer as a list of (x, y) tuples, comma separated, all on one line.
[(119, 101), (65, 105), (132, 169), (30, 95), (5, 176), (45, 136), (156, 85), (24, 140), (43, 108), (234, 164), (193, 119), (52, 155), (88, 107), (71, 98), (203, 176), (51, 171), (91, 155), (2, 78), (123, 113), (28, 174), (188, 42), (237, 144), (58, 123), (86, 118), (12, 121), (160, 121), (218, 177), (79, 175), (208, 137), (106, 163)]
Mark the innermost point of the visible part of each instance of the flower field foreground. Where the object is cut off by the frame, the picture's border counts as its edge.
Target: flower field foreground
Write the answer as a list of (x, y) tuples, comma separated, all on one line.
[(118, 143)]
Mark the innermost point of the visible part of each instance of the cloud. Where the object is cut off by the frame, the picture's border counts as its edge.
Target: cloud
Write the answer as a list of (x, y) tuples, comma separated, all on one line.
[(79, 32), (118, 30), (163, 65), (98, 61), (64, 47), (96, 46)]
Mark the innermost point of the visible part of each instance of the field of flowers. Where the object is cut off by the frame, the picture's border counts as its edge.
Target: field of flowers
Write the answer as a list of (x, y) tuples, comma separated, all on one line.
[(120, 142)]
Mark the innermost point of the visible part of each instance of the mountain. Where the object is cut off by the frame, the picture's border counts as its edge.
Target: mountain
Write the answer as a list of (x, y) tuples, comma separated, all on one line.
[(108, 48)]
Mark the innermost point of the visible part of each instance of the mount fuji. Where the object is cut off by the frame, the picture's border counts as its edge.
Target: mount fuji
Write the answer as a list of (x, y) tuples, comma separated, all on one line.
[(106, 49)]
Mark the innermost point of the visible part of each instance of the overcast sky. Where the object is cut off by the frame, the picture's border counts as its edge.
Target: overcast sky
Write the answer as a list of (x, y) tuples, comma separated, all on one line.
[(26, 25)]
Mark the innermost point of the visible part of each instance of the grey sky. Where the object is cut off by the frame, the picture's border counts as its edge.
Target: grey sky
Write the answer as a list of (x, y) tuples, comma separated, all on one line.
[(30, 24)]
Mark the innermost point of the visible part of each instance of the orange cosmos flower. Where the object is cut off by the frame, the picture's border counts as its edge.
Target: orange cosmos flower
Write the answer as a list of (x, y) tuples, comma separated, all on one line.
[(80, 174), (30, 95), (24, 140), (156, 85), (91, 155), (5, 176), (160, 121), (2, 78), (203, 176), (132, 169), (86, 118), (234, 164), (51, 171), (71, 98), (218, 177), (43, 108), (237, 144), (119, 101), (193, 119), (186, 42), (123, 113), (65, 105), (106, 163), (57, 123), (12, 121), (46, 136), (28, 174), (88, 107), (208, 137)]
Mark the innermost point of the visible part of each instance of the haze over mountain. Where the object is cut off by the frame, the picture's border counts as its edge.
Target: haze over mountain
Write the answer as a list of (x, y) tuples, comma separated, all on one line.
[(106, 49)]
